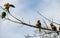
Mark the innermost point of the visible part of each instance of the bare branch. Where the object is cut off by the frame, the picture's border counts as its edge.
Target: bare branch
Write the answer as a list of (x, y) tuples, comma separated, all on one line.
[(46, 18), (25, 24), (12, 21), (15, 17), (45, 23), (2, 7), (20, 22), (36, 26)]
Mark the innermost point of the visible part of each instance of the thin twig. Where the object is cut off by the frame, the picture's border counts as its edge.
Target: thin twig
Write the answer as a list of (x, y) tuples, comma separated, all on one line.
[(15, 17), (12, 21), (2, 7), (46, 18), (45, 23)]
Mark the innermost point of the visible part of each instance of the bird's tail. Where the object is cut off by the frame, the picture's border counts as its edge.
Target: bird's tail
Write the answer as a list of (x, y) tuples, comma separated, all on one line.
[(12, 5), (8, 11), (2, 17), (39, 29), (57, 32)]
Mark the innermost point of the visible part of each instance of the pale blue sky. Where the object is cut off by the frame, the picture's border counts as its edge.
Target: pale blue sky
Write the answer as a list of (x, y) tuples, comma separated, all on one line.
[(27, 9)]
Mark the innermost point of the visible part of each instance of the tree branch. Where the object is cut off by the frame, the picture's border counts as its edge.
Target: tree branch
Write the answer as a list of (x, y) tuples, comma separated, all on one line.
[(46, 18), (26, 23), (45, 23), (12, 21), (15, 17)]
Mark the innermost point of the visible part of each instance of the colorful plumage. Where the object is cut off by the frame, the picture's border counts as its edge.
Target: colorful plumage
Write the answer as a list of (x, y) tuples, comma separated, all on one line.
[(39, 25), (53, 27), (3, 15), (7, 6)]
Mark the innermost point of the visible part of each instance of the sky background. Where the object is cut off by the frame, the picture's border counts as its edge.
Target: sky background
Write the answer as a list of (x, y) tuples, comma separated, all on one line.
[(27, 9)]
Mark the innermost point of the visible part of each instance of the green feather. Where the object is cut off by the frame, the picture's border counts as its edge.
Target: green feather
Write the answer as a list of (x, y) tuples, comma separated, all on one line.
[(57, 32), (7, 9), (3, 15)]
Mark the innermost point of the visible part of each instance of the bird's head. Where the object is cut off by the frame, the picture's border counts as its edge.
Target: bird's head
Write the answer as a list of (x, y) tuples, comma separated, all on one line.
[(6, 5), (51, 24), (38, 21)]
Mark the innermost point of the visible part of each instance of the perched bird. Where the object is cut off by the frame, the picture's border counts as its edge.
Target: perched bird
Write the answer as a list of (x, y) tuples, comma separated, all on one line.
[(3, 15), (39, 25), (7, 6), (53, 27)]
